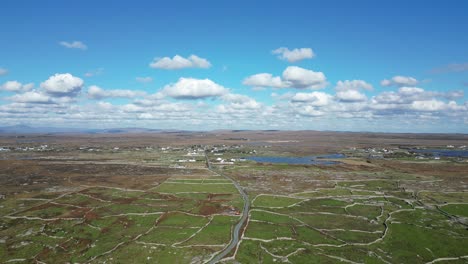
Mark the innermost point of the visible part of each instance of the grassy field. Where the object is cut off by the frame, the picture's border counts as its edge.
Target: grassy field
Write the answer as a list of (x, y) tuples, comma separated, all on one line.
[(148, 205), (362, 214), (181, 216)]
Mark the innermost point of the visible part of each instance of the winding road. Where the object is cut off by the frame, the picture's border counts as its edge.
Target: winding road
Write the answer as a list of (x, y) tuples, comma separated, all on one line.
[(237, 229)]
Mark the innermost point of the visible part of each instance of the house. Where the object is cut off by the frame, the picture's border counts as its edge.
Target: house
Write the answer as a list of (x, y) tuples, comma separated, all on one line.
[(4, 149)]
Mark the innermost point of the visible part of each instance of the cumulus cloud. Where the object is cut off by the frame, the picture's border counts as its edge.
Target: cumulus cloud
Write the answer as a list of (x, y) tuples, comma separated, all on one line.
[(3, 71), (293, 77), (95, 92), (150, 100), (74, 45), (429, 105), (190, 88), (239, 101), (298, 77), (453, 94), (295, 54), (414, 99), (262, 80), (410, 91), (15, 86), (150, 111), (309, 111), (105, 105), (290, 109), (399, 81), (350, 96), (179, 62), (32, 97), (405, 95), (63, 84), (144, 79), (313, 98), (353, 85)]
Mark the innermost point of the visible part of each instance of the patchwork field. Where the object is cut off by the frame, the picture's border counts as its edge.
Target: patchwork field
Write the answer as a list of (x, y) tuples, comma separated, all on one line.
[(107, 212), (160, 204)]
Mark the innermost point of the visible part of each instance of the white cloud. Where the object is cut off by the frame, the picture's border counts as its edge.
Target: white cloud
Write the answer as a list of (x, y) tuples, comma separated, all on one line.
[(400, 81), (179, 62), (264, 80), (290, 109), (239, 101), (105, 105), (150, 100), (63, 100), (132, 108), (295, 54), (172, 107), (353, 85), (190, 88), (350, 96), (313, 98), (156, 96), (151, 110), (293, 77), (3, 71), (410, 91), (95, 92), (144, 79), (74, 45), (297, 77), (32, 97), (408, 95), (430, 105), (454, 94), (388, 98), (309, 111), (62, 85), (15, 86)]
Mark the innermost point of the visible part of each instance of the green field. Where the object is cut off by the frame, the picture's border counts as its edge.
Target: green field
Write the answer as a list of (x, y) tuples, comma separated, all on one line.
[(170, 212)]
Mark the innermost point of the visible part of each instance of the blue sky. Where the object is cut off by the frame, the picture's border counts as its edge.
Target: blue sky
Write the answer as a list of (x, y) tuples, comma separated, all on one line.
[(395, 66)]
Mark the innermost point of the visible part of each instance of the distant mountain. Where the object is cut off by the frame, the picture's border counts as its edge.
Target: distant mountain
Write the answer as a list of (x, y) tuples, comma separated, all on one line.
[(122, 130), (24, 129), (18, 129)]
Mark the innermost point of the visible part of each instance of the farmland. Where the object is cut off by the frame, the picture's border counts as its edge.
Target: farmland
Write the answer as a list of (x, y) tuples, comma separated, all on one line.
[(152, 198)]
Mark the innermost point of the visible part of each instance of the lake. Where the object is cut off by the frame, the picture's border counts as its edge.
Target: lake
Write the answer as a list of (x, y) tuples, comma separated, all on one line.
[(309, 160), (443, 152)]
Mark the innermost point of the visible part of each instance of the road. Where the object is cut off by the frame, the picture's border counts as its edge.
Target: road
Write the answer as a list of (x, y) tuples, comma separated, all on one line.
[(237, 229)]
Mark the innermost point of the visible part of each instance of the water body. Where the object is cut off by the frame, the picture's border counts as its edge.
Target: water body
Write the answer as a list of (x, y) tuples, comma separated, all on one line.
[(309, 160), (443, 152)]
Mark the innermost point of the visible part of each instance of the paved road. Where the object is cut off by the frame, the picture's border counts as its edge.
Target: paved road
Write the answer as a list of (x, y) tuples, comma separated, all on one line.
[(237, 229)]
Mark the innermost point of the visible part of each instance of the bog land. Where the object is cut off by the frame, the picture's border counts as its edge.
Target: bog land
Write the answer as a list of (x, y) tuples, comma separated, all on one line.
[(198, 197)]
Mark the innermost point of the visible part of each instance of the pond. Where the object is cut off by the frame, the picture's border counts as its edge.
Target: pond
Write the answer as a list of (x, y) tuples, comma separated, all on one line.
[(309, 160), (443, 152)]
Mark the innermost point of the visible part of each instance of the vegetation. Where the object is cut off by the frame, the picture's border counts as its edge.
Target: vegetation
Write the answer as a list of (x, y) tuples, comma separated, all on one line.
[(147, 206)]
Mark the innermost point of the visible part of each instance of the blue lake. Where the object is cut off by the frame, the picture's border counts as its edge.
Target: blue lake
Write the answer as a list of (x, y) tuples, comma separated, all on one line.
[(309, 160), (443, 152)]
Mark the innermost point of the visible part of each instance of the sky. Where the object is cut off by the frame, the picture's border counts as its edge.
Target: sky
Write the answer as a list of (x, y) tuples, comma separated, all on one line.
[(381, 66)]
